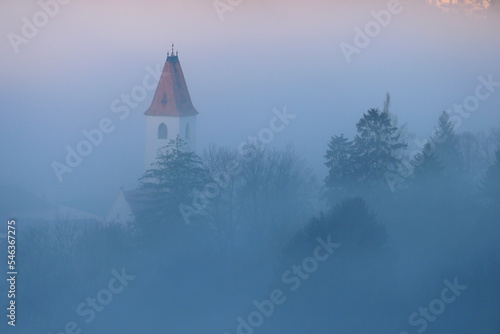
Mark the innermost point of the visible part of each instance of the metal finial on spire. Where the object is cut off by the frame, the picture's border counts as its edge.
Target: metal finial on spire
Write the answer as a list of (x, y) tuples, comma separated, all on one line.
[(172, 49)]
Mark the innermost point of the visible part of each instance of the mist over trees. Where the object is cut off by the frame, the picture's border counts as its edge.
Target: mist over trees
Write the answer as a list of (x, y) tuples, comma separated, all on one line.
[(365, 162), (214, 234)]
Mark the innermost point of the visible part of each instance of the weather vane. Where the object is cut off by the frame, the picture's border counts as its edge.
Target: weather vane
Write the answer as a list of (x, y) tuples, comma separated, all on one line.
[(172, 54)]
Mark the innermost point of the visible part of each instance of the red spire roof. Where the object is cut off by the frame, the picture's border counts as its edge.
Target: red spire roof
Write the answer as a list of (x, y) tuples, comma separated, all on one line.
[(172, 95)]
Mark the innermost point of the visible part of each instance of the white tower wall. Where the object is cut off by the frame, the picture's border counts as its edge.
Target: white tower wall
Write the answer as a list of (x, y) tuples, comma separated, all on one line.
[(184, 127)]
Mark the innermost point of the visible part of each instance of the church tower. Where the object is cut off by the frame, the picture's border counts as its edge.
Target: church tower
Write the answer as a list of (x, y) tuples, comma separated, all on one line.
[(171, 113)]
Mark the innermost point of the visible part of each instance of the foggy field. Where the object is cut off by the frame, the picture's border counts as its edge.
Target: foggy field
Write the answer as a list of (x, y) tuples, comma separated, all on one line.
[(284, 167)]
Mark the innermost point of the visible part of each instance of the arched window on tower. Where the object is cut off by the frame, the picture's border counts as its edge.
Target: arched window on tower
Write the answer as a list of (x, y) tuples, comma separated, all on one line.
[(162, 131), (188, 134)]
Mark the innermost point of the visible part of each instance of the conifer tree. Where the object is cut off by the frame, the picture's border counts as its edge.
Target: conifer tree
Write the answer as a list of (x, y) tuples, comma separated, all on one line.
[(339, 160), (427, 165), (444, 143), (377, 146), (172, 180)]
